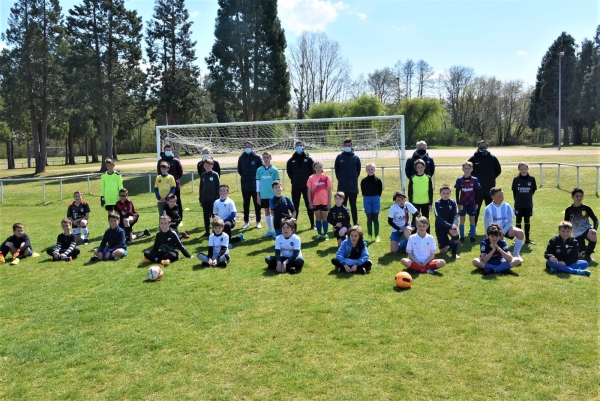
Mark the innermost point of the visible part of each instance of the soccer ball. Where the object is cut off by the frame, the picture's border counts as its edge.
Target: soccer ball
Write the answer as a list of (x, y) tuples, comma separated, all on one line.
[(155, 273), (403, 280)]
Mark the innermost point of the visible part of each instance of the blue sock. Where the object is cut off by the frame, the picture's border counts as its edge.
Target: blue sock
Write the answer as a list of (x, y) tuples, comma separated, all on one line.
[(319, 225), (462, 230), (402, 244), (491, 266), (502, 267), (472, 231), (85, 233), (325, 227)]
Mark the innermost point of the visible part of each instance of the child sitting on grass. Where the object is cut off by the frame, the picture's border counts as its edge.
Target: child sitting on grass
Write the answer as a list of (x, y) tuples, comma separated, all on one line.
[(18, 244), (129, 216), (421, 250), (113, 245), (218, 246), (353, 254), (562, 253), (495, 256), (339, 217), (78, 213), (501, 213), (446, 217), (166, 245), (580, 215), (288, 256), (65, 248)]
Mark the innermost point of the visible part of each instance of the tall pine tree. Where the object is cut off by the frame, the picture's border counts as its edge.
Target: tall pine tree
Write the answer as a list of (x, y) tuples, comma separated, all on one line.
[(35, 34), (106, 55), (248, 71), (174, 79)]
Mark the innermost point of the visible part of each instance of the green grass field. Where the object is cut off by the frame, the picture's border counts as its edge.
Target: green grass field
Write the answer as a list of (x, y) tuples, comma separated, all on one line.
[(99, 330)]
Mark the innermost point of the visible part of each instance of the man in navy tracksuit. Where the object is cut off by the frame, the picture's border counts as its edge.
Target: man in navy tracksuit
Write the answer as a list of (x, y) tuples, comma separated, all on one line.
[(347, 170), (248, 163), (299, 168)]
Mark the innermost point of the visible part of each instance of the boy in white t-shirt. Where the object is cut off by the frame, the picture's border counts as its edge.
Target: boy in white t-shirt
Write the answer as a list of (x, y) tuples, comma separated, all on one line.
[(288, 256), (218, 246), (421, 250), (224, 207), (399, 219), (502, 213)]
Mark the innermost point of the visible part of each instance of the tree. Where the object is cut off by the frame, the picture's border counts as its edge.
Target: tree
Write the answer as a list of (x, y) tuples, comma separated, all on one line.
[(364, 106), (36, 34), (423, 73), (174, 79), (543, 109), (248, 70), (422, 116), (106, 56), (582, 87), (454, 82), (318, 71), (382, 85)]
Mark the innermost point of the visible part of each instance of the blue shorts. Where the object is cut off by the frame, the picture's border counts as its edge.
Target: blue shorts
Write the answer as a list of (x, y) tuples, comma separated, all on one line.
[(496, 261), (467, 209), (372, 204), (397, 236)]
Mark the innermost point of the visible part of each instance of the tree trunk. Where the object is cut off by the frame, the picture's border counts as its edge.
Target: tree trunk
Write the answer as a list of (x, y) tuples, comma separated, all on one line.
[(94, 148), (43, 130), (10, 153), (71, 146)]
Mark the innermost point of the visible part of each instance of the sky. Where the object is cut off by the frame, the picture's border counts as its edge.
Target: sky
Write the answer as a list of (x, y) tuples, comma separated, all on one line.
[(502, 38)]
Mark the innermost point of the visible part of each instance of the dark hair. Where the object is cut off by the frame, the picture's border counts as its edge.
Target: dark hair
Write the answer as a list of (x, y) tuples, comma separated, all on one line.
[(276, 182), (172, 196), (225, 186), (113, 215), (291, 222), (208, 161), (494, 229), (217, 222), (575, 190), (340, 194), (565, 224), (361, 234), (399, 194), (495, 190), (17, 225), (419, 161), (445, 186)]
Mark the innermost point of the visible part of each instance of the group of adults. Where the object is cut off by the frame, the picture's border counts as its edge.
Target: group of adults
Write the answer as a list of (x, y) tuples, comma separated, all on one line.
[(347, 168), (486, 168)]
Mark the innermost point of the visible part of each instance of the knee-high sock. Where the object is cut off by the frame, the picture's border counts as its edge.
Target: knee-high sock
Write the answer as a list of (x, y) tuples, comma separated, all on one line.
[(376, 224), (325, 227), (85, 233), (518, 246), (269, 220), (472, 228), (461, 228), (319, 225), (590, 248), (500, 268)]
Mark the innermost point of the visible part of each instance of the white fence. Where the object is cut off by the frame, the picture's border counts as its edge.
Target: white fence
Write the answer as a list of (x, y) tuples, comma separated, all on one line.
[(193, 175)]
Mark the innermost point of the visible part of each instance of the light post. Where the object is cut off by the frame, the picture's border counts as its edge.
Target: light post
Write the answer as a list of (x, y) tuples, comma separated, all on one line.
[(560, 56)]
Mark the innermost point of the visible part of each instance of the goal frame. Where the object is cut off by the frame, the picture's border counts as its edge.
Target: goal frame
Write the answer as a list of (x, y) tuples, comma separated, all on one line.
[(401, 150)]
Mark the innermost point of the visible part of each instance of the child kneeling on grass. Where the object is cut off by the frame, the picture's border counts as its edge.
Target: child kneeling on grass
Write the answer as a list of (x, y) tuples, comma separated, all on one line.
[(113, 245), (421, 250), (353, 254), (218, 246), (562, 253), (495, 256), (288, 256), (18, 244), (65, 244), (166, 245)]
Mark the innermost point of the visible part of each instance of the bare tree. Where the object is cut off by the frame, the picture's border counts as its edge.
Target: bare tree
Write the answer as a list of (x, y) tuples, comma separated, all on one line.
[(424, 72), (382, 85), (407, 76), (318, 71), (455, 81), (358, 87)]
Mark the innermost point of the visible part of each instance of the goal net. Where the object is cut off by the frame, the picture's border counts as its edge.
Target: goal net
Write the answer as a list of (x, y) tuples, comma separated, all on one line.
[(372, 137)]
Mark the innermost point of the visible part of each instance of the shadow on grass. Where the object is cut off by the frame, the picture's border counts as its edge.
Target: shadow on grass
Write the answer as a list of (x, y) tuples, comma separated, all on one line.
[(342, 276), (390, 258)]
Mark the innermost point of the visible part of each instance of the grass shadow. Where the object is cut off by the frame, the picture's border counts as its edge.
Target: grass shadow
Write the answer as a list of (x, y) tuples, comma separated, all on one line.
[(340, 275)]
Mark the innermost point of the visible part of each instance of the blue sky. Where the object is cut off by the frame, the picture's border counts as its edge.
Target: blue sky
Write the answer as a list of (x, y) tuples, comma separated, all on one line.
[(505, 39)]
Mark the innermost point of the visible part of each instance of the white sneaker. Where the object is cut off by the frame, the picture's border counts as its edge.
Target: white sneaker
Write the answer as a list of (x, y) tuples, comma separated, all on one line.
[(258, 225), (245, 225)]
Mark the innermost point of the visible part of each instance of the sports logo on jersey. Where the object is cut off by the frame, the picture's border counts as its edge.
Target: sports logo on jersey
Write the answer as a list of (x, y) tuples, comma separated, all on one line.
[(292, 243), (583, 213)]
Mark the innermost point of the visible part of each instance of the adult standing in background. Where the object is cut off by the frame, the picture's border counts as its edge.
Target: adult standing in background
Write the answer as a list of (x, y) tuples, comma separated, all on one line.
[(248, 163), (347, 170), (206, 154), (486, 168), (420, 153), (299, 168), (176, 170)]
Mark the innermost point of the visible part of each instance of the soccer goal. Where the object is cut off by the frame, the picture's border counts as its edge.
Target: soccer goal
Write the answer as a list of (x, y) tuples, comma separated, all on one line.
[(372, 137)]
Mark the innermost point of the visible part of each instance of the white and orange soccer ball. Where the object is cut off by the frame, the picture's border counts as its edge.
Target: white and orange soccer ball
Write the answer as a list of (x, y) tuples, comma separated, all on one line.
[(155, 273), (403, 280)]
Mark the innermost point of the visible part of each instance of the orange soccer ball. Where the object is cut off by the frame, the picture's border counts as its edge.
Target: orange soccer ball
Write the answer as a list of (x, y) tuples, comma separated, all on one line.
[(403, 280)]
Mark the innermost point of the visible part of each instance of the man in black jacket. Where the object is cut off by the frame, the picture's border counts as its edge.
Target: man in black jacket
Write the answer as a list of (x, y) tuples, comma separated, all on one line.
[(420, 153), (248, 163), (347, 169), (486, 168), (175, 169), (299, 168)]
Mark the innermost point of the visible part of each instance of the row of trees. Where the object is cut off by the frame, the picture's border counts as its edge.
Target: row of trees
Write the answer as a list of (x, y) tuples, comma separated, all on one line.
[(84, 79)]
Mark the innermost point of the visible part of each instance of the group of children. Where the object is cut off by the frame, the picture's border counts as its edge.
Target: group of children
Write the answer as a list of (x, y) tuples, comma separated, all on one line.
[(564, 253)]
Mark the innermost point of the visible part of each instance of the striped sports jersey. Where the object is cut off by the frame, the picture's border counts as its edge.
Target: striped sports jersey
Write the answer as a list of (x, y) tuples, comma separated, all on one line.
[(466, 190), (501, 214)]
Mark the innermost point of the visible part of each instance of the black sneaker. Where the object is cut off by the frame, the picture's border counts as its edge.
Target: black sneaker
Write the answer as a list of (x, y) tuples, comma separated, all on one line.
[(291, 270), (361, 270), (147, 232), (462, 240), (85, 241), (528, 241), (487, 271), (473, 240)]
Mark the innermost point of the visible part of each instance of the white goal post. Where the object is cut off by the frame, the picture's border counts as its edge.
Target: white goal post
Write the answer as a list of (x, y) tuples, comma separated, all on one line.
[(372, 137)]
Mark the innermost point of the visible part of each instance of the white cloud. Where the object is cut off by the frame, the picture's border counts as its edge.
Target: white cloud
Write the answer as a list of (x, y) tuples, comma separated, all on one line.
[(194, 13), (521, 53), (308, 15), (406, 27), (361, 16)]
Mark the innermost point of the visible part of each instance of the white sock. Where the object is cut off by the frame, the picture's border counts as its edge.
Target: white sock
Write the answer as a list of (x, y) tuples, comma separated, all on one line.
[(269, 222)]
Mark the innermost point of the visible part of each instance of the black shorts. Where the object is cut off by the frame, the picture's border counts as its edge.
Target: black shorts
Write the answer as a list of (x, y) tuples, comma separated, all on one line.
[(320, 207), (524, 211), (442, 235), (582, 238), (265, 203)]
